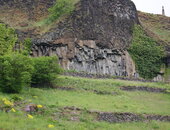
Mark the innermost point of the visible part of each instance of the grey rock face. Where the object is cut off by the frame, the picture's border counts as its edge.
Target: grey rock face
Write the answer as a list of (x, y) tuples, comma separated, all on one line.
[(108, 22), (94, 38), (84, 55)]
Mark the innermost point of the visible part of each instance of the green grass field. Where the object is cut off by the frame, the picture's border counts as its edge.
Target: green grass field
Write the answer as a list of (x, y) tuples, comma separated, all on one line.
[(53, 100)]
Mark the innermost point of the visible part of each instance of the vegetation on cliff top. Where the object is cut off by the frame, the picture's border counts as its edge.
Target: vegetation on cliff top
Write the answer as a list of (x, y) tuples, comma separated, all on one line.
[(60, 9)]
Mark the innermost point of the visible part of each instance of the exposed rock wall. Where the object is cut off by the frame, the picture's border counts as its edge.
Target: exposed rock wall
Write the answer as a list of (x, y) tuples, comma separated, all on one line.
[(84, 55), (108, 22), (94, 38)]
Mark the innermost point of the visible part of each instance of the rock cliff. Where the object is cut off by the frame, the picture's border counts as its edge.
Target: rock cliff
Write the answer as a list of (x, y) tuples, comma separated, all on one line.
[(94, 38)]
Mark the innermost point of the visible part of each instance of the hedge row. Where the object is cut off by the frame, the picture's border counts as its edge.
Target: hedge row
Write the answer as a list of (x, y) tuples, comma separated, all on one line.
[(18, 71)]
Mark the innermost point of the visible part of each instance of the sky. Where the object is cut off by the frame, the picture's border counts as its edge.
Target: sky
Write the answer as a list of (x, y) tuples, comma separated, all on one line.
[(153, 6)]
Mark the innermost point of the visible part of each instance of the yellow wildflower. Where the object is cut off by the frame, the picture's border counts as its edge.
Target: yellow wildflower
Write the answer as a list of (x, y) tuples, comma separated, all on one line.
[(39, 106), (4, 99), (50, 126), (8, 103), (35, 96), (30, 116), (13, 110), (29, 100)]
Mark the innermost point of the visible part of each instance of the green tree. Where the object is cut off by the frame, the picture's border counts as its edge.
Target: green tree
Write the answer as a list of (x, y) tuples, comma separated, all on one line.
[(8, 39), (15, 72), (46, 70)]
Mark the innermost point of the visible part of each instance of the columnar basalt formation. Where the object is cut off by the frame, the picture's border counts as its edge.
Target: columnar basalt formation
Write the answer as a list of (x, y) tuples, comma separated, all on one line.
[(84, 55), (94, 38)]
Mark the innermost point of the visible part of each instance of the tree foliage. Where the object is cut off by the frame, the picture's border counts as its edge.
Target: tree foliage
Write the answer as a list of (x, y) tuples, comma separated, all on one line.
[(17, 69), (46, 70), (15, 72), (146, 54), (8, 39)]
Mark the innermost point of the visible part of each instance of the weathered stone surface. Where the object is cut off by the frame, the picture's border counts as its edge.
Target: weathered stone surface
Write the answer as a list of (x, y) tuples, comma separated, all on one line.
[(107, 22), (94, 38), (81, 56)]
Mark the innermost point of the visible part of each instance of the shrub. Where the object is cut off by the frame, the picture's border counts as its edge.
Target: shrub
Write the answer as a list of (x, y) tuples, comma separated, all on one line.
[(61, 8), (8, 39), (146, 54), (45, 71), (25, 47), (15, 72)]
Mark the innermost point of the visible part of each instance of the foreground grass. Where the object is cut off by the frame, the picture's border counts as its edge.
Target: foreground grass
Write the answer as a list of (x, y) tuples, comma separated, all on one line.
[(19, 122), (53, 100)]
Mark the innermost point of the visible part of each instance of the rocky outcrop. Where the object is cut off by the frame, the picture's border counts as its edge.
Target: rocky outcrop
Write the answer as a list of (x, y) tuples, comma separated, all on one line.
[(94, 38), (84, 55), (108, 22)]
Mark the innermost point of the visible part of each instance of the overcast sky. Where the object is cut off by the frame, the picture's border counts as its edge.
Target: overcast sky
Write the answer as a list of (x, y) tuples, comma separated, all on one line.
[(153, 6)]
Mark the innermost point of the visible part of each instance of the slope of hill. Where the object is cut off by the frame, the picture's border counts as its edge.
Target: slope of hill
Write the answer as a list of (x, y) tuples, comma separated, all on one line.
[(89, 104), (158, 27)]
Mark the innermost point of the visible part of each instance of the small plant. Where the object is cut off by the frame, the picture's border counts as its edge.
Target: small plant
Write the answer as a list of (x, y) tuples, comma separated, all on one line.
[(61, 8), (26, 47), (16, 98), (6, 105)]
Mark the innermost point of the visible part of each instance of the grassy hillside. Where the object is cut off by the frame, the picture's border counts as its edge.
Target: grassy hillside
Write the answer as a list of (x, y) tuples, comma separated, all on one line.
[(95, 95), (157, 26)]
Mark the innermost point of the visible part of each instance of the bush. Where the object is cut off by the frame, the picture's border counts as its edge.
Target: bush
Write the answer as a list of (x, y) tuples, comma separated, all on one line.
[(61, 8), (45, 71), (25, 47), (8, 39), (146, 54), (15, 72)]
